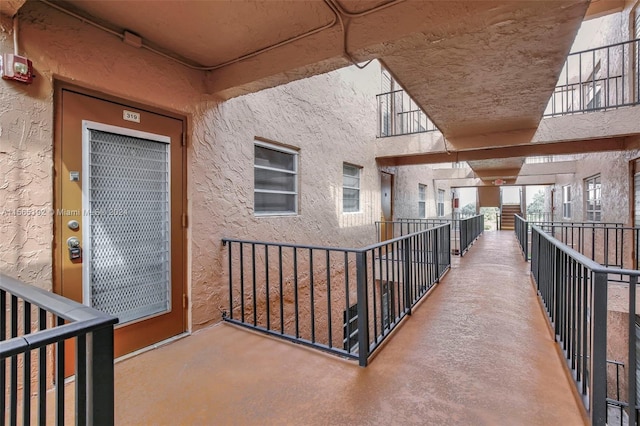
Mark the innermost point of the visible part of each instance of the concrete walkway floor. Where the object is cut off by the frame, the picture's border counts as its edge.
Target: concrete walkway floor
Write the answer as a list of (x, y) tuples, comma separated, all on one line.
[(477, 351)]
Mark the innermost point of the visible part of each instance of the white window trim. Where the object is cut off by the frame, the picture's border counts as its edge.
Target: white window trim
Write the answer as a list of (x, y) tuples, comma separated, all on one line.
[(422, 199), (586, 198), (568, 202), (443, 192), (359, 188), (296, 191)]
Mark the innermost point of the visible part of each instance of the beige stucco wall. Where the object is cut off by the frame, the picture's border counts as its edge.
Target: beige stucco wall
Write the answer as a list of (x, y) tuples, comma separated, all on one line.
[(407, 179)]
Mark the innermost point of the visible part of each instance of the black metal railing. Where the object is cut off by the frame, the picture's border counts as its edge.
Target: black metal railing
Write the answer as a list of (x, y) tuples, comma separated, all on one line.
[(539, 217), (579, 297), (341, 300), (38, 330), (607, 243), (398, 114), (522, 230), (598, 79), (464, 231)]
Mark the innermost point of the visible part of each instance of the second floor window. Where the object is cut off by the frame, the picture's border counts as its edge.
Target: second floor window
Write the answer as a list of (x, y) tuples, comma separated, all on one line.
[(593, 193), (422, 201), (440, 205), (275, 180), (350, 188), (566, 202)]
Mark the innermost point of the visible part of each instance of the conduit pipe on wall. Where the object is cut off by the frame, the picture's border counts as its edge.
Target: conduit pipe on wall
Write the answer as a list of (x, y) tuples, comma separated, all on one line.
[(15, 35), (335, 8)]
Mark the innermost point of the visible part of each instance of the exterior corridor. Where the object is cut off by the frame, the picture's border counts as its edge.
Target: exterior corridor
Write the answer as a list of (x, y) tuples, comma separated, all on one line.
[(476, 351)]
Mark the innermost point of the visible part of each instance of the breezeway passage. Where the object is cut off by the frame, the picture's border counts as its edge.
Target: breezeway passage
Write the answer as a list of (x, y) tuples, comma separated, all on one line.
[(476, 351)]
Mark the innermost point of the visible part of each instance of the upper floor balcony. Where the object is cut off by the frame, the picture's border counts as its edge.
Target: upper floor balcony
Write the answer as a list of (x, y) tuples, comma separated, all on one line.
[(599, 79)]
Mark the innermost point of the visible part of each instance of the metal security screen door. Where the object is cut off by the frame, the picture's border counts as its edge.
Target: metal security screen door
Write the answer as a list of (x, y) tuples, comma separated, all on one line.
[(127, 232)]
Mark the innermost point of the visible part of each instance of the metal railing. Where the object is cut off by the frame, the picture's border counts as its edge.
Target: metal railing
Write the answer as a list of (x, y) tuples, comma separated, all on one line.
[(608, 243), (38, 329), (597, 79), (398, 114), (575, 292), (342, 300), (464, 232)]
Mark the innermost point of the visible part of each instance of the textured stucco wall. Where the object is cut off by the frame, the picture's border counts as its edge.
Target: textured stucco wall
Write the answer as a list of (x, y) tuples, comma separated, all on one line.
[(613, 168), (407, 179), (330, 119)]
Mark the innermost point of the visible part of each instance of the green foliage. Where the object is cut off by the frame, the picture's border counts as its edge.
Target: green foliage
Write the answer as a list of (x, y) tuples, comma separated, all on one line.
[(537, 204)]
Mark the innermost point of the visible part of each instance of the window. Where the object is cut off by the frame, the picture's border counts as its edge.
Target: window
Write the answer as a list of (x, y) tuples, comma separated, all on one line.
[(440, 205), (350, 328), (422, 201), (350, 188), (593, 191), (275, 180), (566, 202)]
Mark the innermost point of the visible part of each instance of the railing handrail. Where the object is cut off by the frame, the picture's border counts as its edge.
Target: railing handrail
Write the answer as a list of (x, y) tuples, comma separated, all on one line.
[(390, 93), (587, 82), (60, 306), (579, 257), (593, 49), (338, 249)]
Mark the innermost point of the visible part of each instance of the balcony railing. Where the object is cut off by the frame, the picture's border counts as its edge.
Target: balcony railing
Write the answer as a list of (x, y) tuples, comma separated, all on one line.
[(609, 244), (598, 79), (464, 230), (593, 317), (341, 300), (399, 115), (38, 329)]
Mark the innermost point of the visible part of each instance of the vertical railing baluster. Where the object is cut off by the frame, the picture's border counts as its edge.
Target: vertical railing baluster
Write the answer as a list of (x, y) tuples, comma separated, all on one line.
[(241, 246), (254, 295), (311, 294), (632, 342), (59, 394), (230, 269), (363, 306), (329, 322), (280, 274), (3, 362), (347, 315), (598, 370), (266, 279), (26, 377), (13, 390), (81, 380), (295, 291), (42, 371)]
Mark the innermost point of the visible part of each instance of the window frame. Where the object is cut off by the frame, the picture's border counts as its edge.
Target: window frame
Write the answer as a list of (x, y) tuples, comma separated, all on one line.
[(422, 200), (440, 203), (295, 172), (359, 188), (594, 214), (567, 201)]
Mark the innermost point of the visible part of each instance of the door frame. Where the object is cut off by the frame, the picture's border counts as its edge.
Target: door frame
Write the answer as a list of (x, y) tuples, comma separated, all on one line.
[(59, 87)]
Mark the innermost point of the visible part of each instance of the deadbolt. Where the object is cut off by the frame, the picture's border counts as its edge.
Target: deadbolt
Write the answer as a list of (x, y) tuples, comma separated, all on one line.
[(74, 225)]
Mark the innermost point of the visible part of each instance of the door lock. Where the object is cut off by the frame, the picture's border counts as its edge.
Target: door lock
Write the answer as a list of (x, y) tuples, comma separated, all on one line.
[(75, 251)]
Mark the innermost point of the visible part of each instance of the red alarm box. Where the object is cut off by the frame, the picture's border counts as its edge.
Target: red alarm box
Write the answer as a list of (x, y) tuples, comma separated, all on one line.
[(18, 68)]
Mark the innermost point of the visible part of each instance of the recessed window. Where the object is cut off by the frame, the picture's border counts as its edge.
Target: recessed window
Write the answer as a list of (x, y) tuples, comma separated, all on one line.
[(440, 204), (350, 188), (422, 201), (593, 193), (275, 180), (566, 202)]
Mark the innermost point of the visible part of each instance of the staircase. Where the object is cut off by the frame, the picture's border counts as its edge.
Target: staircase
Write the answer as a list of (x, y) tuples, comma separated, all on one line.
[(507, 219)]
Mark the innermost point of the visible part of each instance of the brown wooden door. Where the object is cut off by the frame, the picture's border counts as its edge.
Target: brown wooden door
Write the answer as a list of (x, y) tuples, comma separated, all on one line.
[(119, 194)]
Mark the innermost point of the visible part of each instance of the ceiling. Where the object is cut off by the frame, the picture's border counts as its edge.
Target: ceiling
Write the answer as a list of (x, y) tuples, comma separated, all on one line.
[(482, 70)]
